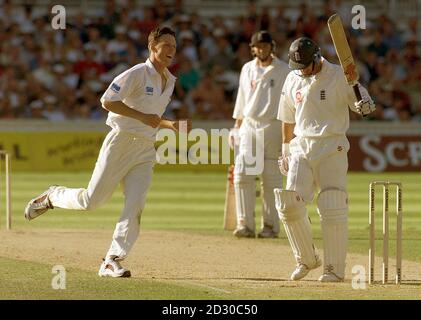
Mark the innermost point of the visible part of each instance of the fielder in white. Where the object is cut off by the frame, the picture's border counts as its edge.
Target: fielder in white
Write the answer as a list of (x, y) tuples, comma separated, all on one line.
[(136, 100), (314, 107), (255, 111)]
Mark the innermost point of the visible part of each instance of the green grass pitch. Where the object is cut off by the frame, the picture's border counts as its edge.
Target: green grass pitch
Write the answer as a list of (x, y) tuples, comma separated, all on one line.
[(190, 202)]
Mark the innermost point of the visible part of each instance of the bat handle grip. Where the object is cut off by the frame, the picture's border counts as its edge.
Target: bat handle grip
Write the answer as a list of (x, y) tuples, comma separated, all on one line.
[(357, 92)]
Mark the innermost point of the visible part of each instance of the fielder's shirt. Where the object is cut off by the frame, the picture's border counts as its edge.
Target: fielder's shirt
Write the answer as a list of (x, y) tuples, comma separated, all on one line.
[(139, 88), (259, 90), (318, 105)]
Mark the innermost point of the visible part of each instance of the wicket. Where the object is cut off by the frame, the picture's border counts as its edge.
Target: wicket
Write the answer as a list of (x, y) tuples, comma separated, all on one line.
[(385, 265), (4, 155)]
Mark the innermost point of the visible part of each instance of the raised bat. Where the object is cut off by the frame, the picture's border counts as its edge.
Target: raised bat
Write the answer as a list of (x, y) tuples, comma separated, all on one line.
[(344, 53)]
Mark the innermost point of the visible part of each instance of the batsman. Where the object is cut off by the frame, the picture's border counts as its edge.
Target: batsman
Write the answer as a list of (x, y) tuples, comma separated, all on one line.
[(255, 111), (314, 112)]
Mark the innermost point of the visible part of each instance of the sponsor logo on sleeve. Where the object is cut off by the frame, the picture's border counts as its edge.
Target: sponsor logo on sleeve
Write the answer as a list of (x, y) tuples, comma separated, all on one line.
[(149, 91), (116, 88), (298, 97)]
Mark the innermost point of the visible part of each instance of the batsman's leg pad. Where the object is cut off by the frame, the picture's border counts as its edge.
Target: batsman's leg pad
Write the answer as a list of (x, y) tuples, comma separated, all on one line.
[(333, 210), (245, 199), (271, 179), (293, 214)]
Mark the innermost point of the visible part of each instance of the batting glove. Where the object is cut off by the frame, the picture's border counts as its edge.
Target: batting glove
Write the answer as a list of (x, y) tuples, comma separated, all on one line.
[(283, 161), (365, 106), (233, 138)]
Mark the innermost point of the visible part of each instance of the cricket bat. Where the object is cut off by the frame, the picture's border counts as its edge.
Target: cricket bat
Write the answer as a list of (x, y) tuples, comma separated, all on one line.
[(230, 214), (343, 51)]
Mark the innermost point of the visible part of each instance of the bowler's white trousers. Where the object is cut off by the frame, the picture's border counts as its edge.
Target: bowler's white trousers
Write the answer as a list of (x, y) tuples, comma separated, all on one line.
[(124, 158)]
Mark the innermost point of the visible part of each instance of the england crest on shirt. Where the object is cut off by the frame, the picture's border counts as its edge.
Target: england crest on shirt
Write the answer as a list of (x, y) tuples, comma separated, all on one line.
[(253, 85)]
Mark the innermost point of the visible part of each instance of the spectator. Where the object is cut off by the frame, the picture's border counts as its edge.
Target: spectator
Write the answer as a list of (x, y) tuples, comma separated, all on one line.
[(44, 73), (148, 22), (411, 34), (207, 100), (224, 56), (378, 46), (119, 45), (391, 36), (88, 63), (188, 47), (242, 55), (6, 110), (188, 77), (36, 61), (250, 20), (52, 112), (135, 12), (37, 109)]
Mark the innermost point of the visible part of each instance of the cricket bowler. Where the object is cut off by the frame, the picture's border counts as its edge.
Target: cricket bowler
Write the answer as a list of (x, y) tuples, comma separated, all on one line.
[(314, 112), (136, 100), (256, 109)]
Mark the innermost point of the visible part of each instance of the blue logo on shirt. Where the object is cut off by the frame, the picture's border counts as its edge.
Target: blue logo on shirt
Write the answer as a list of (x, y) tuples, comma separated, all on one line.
[(115, 88), (149, 91)]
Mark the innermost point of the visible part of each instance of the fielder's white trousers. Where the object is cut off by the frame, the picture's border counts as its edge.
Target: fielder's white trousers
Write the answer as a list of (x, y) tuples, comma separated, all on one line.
[(245, 183), (124, 158)]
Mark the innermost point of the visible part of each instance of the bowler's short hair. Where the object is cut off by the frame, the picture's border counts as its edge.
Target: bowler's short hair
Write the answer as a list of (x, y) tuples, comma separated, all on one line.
[(158, 32)]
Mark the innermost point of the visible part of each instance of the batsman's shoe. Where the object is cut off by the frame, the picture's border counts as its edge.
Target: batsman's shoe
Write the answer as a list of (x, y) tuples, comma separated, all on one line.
[(112, 268), (302, 270), (244, 232), (330, 276), (39, 205), (267, 233)]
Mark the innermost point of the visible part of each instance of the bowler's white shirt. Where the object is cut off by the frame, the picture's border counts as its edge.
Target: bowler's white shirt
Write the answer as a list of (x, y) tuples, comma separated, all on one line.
[(140, 88), (258, 94), (318, 105)]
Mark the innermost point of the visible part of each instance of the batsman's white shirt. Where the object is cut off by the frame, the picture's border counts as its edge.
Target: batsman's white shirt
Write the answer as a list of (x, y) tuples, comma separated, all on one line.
[(318, 105), (127, 154)]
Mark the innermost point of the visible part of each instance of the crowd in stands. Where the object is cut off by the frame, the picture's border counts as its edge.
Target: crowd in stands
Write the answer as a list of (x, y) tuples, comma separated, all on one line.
[(61, 74)]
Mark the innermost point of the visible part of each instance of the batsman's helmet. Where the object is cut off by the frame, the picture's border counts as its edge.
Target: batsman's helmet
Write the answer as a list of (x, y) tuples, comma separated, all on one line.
[(261, 37), (302, 52)]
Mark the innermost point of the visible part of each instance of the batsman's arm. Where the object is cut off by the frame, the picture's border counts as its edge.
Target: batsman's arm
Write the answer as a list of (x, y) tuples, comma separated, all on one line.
[(287, 132), (238, 123), (121, 108)]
